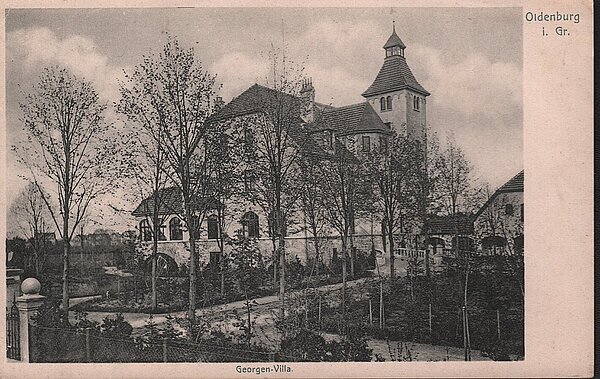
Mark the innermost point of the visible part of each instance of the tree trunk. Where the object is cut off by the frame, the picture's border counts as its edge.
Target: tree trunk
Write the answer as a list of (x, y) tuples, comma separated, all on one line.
[(392, 257), (65, 272), (154, 278), (344, 279), (249, 330), (282, 276), (191, 313)]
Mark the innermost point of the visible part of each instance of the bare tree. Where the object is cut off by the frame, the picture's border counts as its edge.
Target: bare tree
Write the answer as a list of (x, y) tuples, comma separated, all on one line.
[(271, 161), (338, 186), (31, 217), (456, 188), (147, 171), (69, 144), (393, 167), (173, 94)]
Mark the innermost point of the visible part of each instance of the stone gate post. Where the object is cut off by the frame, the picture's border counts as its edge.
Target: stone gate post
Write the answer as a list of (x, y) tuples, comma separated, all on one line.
[(28, 304)]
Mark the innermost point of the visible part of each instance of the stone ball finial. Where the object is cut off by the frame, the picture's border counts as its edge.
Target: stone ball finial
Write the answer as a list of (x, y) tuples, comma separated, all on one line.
[(31, 286)]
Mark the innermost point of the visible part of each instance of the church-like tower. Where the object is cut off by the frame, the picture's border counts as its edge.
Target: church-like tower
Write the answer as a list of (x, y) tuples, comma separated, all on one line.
[(396, 95)]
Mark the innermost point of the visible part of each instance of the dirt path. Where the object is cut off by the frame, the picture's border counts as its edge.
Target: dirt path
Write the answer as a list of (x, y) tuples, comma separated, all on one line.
[(220, 313)]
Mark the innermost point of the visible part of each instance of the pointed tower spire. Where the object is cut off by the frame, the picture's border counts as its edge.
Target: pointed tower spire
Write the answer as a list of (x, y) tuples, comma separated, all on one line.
[(394, 45)]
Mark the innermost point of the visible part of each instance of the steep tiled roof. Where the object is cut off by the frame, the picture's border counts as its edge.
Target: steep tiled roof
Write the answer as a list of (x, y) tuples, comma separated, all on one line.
[(353, 118), (460, 223), (515, 184), (259, 98), (394, 75), (255, 99), (170, 202)]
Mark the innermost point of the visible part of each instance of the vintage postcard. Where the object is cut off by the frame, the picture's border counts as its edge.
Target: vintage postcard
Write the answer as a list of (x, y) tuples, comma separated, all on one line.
[(258, 190)]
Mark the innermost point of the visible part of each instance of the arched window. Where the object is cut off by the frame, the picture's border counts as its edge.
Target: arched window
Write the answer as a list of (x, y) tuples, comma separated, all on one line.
[(389, 103), (213, 227), (145, 231), (437, 245), (175, 230), (382, 103), (416, 103), (250, 224)]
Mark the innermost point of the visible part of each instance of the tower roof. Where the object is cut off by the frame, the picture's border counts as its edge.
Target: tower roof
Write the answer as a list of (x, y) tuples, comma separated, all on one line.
[(394, 40), (394, 75)]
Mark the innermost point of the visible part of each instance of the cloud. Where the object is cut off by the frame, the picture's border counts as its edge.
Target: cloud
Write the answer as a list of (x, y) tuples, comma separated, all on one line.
[(237, 71), (36, 47), (473, 86)]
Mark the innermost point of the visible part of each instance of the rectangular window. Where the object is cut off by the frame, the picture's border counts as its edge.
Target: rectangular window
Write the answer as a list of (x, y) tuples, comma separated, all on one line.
[(389, 125), (213, 228), (248, 181), (366, 143)]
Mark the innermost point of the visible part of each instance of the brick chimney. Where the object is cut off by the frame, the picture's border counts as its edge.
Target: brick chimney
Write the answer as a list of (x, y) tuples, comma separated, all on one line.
[(307, 94)]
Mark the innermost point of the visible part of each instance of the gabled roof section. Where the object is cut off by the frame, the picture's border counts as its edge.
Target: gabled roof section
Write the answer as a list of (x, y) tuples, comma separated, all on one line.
[(170, 202), (394, 75), (256, 99), (351, 119), (514, 185)]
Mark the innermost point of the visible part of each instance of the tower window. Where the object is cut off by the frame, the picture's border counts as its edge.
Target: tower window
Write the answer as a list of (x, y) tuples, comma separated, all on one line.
[(382, 103), (508, 209), (416, 103), (389, 103), (366, 143)]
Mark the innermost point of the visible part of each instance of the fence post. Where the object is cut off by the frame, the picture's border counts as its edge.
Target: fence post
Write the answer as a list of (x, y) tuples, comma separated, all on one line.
[(164, 345), (28, 305), (498, 322), (370, 313), (87, 345), (429, 318)]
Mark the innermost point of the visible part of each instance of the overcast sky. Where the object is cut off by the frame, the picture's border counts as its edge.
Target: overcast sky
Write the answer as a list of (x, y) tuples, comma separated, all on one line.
[(469, 59)]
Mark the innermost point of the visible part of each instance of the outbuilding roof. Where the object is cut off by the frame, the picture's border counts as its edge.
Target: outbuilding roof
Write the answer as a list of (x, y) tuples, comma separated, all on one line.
[(170, 202), (461, 224)]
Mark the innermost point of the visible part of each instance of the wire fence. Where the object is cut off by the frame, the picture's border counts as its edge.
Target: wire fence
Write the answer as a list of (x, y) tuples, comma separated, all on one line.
[(56, 345)]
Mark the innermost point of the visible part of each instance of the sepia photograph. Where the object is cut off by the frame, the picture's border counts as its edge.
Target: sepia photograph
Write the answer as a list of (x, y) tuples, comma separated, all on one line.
[(265, 186)]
